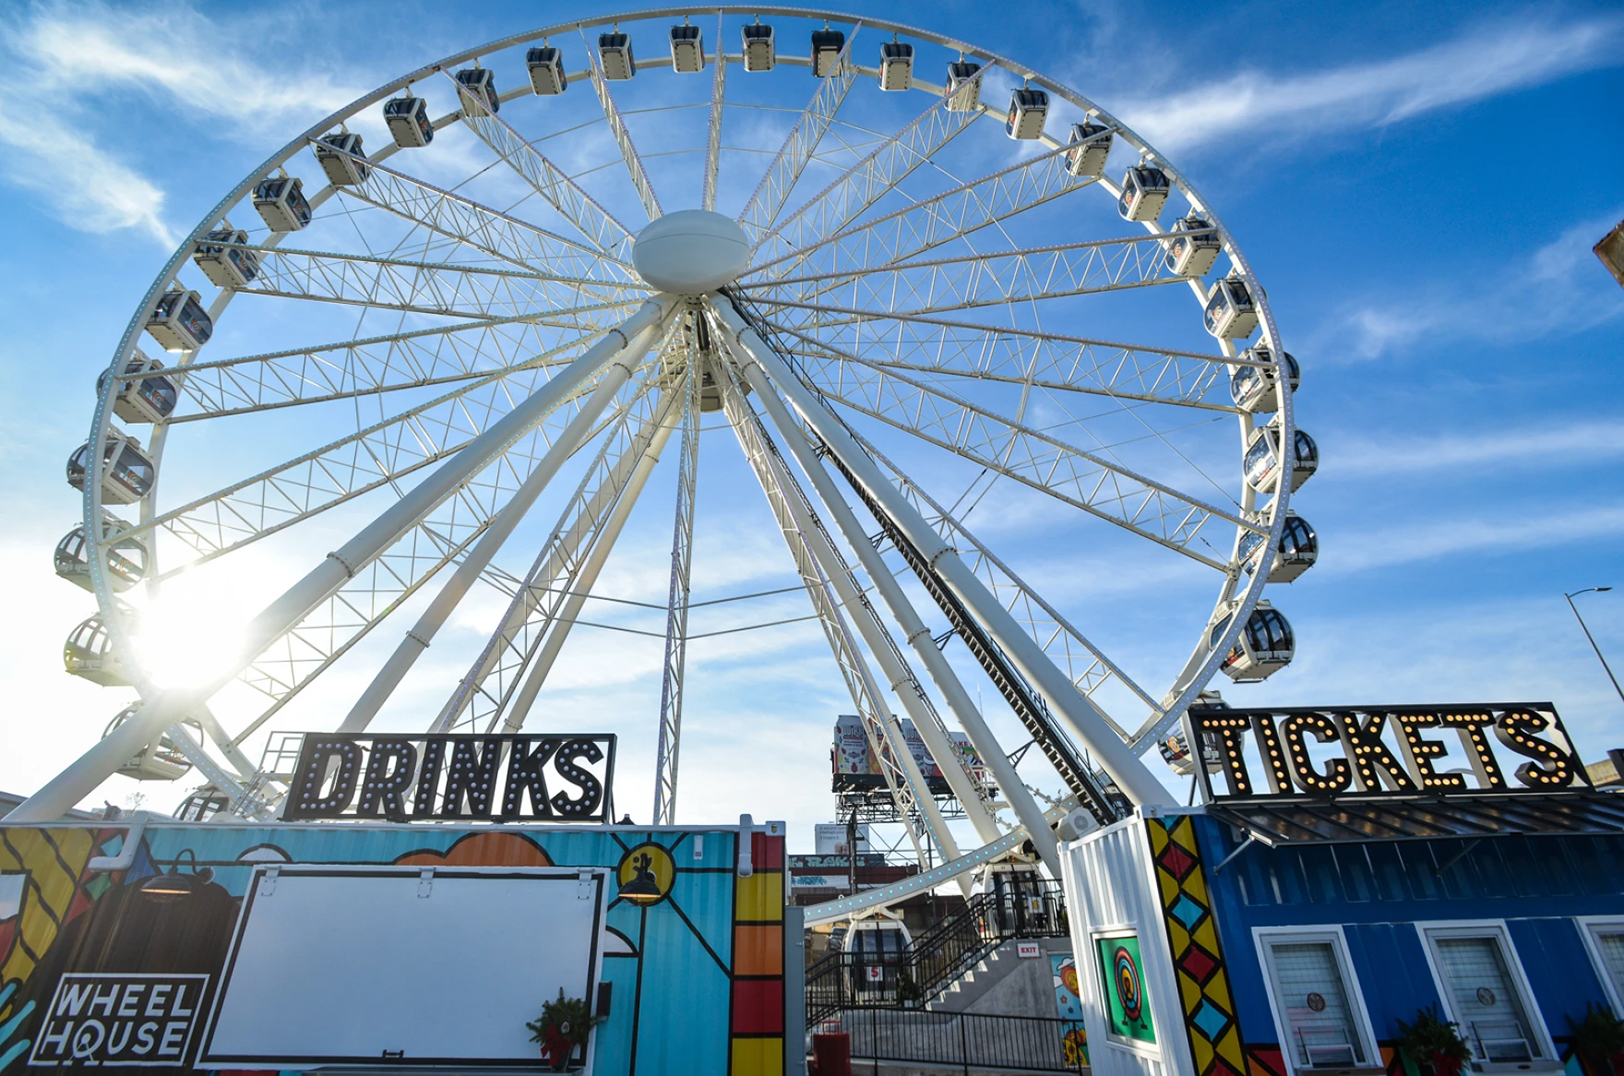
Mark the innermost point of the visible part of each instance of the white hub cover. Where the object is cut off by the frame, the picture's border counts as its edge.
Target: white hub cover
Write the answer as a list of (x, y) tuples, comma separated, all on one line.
[(691, 252)]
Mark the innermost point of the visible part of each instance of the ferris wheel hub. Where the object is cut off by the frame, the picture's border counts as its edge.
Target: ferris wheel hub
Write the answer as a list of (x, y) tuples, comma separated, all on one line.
[(691, 252)]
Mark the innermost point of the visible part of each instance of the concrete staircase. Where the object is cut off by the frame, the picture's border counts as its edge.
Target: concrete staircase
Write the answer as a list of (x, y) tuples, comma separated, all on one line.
[(1003, 983)]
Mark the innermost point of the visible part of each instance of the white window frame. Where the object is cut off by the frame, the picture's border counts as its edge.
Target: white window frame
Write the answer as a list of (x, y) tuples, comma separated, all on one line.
[(1262, 938), (1588, 925), (1545, 1056)]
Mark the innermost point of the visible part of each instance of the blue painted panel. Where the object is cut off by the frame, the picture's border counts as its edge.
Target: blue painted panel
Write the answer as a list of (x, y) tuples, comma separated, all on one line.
[(1558, 967), (1393, 974)]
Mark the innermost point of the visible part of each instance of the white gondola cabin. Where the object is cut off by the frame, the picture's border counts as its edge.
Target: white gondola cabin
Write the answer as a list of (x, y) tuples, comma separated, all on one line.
[(1175, 746), (1231, 314), (479, 83), (1296, 552), (179, 322), (1263, 455), (146, 396), (759, 52), (126, 558), (1263, 648), (827, 46), (163, 759), (127, 473), (343, 159), (615, 54), (877, 952), (1192, 247), (227, 266), (88, 653), (687, 49), (1028, 108), (1089, 146), (963, 87), (408, 120), (896, 65), (282, 204), (1253, 387), (546, 67), (1144, 191)]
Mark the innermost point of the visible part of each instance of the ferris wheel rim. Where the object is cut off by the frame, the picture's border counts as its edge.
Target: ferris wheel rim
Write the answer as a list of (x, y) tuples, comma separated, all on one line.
[(101, 419)]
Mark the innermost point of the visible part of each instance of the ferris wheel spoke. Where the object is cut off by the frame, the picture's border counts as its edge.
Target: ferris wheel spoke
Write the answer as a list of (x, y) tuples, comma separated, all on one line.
[(930, 222), (484, 229), (426, 287), (422, 633), (1122, 372), (623, 137), (971, 281), (349, 369), (785, 170), (886, 740), (668, 746), (713, 137), (590, 518), (596, 223), (378, 455), (865, 183), (1087, 665), (1098, 486)]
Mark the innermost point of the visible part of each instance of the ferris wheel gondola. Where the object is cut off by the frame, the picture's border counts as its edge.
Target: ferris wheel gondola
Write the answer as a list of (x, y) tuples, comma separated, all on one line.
[(818, 306)]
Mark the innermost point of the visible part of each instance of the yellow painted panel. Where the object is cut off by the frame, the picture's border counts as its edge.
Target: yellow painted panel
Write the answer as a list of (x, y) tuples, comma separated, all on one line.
[(758, 1057), (761, 896)]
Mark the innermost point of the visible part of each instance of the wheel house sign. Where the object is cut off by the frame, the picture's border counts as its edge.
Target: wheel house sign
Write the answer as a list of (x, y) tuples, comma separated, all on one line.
[(404, 778), (1385, 750)]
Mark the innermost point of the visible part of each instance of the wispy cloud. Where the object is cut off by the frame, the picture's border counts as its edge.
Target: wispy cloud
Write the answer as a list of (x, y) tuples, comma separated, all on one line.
[(1491, 60), (1591, 441), (1421, 540), (60, 63), (1558, 289)]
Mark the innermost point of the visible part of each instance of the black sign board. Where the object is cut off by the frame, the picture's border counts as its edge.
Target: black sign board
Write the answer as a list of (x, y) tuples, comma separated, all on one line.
[(1383, 750), (113, 1020), (507, 778)]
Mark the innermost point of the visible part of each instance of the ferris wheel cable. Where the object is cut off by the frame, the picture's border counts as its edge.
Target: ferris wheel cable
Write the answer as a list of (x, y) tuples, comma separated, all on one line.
[(1078, 711), (761, 209), (1099, 486), (421, 635), (327, 578), (610, 477), (902, 775), (865, 183), (917, 635), (591, 219), (713, 136), (668, 744), (622, 137), (580, 580), (901, 679), (472, 272)]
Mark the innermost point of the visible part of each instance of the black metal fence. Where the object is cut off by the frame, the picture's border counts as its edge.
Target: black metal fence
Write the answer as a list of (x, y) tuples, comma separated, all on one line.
[(1014, 906), (967, 1041)]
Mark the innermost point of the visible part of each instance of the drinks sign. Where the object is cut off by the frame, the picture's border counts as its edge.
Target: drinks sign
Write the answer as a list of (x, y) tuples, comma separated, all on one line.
[(411, 778), (1314, 751)]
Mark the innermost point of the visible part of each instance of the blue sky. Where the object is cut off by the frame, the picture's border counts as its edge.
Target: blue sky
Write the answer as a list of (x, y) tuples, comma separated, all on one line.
[(1418, 187)]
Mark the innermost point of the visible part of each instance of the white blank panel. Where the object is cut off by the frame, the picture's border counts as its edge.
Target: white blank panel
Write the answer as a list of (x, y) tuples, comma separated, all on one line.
[(345, 965)]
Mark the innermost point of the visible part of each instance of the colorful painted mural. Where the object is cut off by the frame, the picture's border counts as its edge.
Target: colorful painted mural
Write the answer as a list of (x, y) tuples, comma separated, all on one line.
[(692, 972), (1068, 1003), (1198, 958)]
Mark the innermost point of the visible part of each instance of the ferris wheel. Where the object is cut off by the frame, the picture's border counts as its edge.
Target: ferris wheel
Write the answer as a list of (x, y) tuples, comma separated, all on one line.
[(438, 343)]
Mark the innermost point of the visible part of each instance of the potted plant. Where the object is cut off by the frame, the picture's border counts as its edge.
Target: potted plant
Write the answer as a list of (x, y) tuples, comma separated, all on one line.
[(565, 1024), (1598, 1039), (1432, 1044), (908, 992)]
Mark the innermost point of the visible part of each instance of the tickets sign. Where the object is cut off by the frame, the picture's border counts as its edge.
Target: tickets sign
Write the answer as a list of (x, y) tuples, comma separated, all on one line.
[(1396, 750)]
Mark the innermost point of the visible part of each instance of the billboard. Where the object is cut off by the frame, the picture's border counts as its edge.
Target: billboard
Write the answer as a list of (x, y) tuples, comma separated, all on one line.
[(831, 838), (856, 768)]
